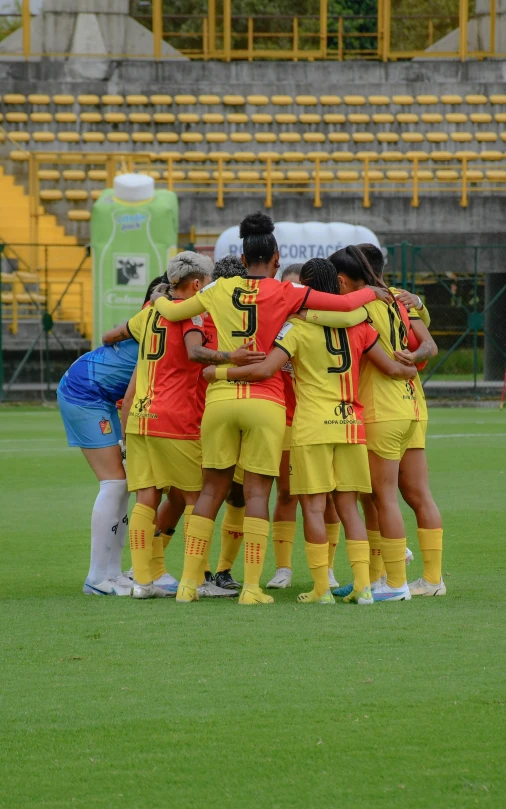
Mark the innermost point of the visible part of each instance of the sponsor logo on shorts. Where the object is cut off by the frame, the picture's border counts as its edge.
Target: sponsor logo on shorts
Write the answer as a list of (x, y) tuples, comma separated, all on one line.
[(105, 426)]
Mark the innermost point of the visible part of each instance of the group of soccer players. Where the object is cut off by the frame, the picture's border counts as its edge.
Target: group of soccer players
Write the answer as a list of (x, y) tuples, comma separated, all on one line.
[(231, 378)]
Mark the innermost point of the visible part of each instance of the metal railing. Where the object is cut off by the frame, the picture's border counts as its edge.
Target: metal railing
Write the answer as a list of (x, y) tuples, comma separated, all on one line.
[(223, 36)]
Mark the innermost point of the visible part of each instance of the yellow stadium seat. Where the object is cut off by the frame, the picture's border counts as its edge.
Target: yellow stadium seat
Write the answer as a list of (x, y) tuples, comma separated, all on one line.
[(427, 99), (456, 117), (248, 176), (14, 98), (290, 137), (265, 137), (334, 118), (233, 100), (412, 137), (185, 100), (188, 118), (244, 157), (87, 117), (269, 155), (486, 137), (16, 117), (93, 137), (342, 157), (348, 176), (447, 175), (198, 176), (209, 100), (159, 100), (276, 175), (18, 156), (503, 136), (76, 195), (195, 156), (497, 98), (237, 118), (424, 175), (48, 174), (285, 118), (19, 137), (397, 175), (167, 137), (432, 118), (281, 101), (139, 118), (216, 137), (165, 117), (43, 137), (500, 117), (476, 99), (76, 175), (68, 137), (461, 137), (258, 100), (79, 216), (441, 155), (241, 137), (358, 118), (115, 117), (387, 137), (192, 137), (306, 101), (318, 154), (323, 175), (95, 193), (354, 101), (118, 137), (50, 195), (339, 137), (143, 137), (314, 137), (379, 101), (406, 118), (298, 176), (97, 175), (41, 117), (65, 117), (330, 101), (468, 154), (491, 154), (310, 118), (363, 137), (374, 175), (480, 118), (261, 118), (226, 175), (496, 175), (451, 99), (113, 100), (63, 100), (403, 100), (474, 175), (38, 98), (437, 137), (293, 157), (368, 154), (171, 155), (392, 156), (88, 100), (383, 118), (176, 174)]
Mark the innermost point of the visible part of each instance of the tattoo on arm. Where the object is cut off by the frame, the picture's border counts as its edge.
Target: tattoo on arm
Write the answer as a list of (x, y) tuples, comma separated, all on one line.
[(424, 351), (207, 356)]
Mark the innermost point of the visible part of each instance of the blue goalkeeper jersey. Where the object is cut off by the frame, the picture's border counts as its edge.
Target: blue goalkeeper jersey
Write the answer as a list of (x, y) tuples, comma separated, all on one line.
[(101, 375)]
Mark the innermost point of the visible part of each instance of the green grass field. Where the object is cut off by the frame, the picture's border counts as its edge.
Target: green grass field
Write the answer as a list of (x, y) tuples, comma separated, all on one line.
[(145, 705)]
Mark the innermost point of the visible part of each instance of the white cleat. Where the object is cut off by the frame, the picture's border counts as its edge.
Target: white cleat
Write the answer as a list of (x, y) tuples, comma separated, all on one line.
[(210, 590), (332, 579), (168, 583), (281, 579), (421, 587), (409, 556), (110, 587), (378, 583), (387, 593), (129, 574), (148, 591)]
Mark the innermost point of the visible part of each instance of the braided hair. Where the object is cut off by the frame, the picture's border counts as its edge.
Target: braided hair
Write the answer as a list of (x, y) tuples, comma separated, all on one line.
[(259, 244), (353, 263), (229, 267), (320, 274)]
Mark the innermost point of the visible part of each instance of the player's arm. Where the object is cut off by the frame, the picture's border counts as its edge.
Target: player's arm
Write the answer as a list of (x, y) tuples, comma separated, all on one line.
[(258, 372), (387, 366), (427, 348), (415, 306), (241, 356), (336, 320), (116, 335), (182, 310), (346, 303), (127, 402)]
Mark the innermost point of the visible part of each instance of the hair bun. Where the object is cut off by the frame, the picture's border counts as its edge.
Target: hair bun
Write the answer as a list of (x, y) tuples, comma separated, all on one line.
[(256, 224)]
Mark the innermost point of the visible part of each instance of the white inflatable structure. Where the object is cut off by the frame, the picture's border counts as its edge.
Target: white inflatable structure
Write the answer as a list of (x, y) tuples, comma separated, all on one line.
[(299, 242)]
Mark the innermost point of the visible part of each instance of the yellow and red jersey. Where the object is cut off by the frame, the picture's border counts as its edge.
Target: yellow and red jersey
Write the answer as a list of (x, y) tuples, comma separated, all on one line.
[(211, 342), (289, 387), (326, 364), (165, 402)]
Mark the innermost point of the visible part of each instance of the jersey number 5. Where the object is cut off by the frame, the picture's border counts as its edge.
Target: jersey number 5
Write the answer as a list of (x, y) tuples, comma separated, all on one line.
[(249, 308), (161, 332), (342, 349)]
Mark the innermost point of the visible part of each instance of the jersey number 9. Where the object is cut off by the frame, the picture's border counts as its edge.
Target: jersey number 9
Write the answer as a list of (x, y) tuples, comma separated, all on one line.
[(341, 349), (249, 308)]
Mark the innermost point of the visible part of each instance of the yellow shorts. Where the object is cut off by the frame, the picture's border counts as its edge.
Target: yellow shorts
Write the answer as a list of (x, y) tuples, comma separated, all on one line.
[(390, 439), (318, 468), (163, 462), (239, 475), (287, 440), (248, 432), (417, 440)]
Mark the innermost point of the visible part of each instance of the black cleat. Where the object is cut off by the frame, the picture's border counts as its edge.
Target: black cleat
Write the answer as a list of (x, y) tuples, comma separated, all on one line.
[(225, 580), (209, 577)]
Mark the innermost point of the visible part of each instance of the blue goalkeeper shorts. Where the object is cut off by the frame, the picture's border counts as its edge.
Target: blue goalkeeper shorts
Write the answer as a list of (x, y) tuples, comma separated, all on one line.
[(90, 427)]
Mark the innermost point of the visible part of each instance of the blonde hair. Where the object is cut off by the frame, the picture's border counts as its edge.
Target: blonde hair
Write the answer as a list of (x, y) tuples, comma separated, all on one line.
[(188, 264)]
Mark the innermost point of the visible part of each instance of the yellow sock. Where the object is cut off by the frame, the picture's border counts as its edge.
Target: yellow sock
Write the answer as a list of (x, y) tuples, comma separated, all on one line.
[(393, 552), (157, 565), (358, 555), (141, 531), (188, 511), (431, 546), (166, 538), (318, 560), (375, 560), (256, 532), (231, 536), (198, 536), (333, 530), (204, 565), (283, 535)]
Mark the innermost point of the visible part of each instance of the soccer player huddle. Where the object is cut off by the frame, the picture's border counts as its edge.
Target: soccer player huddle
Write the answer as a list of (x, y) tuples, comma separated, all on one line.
[(230, 379)]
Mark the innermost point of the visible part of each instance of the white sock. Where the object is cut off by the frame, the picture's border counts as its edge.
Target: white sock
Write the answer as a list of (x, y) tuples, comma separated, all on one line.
[(119, 537), (104, 524)]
